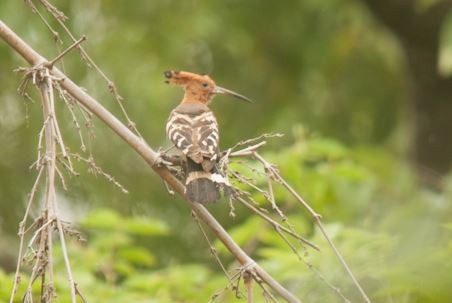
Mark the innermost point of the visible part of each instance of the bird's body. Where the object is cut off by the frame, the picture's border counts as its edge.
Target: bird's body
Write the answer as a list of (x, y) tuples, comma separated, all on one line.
[(193, 129)]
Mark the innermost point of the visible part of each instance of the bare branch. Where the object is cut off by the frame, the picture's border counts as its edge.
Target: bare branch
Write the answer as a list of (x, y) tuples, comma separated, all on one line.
[(97, 170), (61, 18), (278, 227), (35, 10), (148, 154), (61, 55), (66, 261), (317, 218), (213, 251), (21, 234)]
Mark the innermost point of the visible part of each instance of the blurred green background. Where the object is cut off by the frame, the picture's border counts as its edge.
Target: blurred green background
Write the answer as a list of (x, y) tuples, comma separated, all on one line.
[(361, 90)]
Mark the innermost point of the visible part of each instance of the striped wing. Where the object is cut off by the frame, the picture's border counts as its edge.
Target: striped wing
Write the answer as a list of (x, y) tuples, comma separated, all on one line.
[(196, 135)]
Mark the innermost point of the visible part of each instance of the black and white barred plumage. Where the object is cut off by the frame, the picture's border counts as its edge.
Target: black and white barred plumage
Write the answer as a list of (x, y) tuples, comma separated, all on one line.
[(193, 129)]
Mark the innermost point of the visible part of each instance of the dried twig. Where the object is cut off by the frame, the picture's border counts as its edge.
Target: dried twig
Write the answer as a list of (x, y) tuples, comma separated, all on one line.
[(41, 242), (35, 10), (317, 218), (52, 137), (97, 170), (148, 154), (21, 233), (272, 174), (212, 249), (52, 62), (248, 281), (61, 18), (278, 227)]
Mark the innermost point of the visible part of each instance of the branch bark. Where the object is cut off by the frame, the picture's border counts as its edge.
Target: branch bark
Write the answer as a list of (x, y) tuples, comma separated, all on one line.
[(147, 153)]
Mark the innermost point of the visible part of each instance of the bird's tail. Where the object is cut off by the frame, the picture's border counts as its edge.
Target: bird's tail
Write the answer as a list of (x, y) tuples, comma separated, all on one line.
[(200, 186)]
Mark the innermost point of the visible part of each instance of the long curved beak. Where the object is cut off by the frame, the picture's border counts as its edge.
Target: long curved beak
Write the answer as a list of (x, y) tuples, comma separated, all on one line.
[(224, 91)]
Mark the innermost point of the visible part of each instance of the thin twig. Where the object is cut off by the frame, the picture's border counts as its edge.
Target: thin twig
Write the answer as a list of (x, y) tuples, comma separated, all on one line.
[(319, 223), (69, 106), (52, 62), (43, 235), (248, 281), (66, 261), (21, 234), (148, 154), (38, 233), (276, 225), (60, 175), (80, 294), (267, 293), (97, 170), (249, 150), (212, 249), (48, 105), (231, 285), (41, 135), (263, 136), (59, 16), (55, 34), (272, 199)]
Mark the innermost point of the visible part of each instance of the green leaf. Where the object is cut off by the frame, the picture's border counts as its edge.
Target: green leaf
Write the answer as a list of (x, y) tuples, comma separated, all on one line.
[(145, 226), (104, 218), (137, 256)]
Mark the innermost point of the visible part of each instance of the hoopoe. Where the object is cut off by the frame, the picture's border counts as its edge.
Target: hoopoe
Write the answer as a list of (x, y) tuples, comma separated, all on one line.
[(193, 129)]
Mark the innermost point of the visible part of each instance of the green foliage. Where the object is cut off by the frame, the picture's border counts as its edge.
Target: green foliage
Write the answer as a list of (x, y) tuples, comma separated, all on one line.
[(299, 62), (110, 220), (326, 64), (113, 266), (396, 241), (399, 248)]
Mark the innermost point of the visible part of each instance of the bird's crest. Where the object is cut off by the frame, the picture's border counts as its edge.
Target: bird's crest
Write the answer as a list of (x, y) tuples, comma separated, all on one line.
[(198, 88)]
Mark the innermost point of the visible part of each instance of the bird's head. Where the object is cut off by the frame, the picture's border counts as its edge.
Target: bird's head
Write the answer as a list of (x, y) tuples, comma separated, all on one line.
[(198, 88)]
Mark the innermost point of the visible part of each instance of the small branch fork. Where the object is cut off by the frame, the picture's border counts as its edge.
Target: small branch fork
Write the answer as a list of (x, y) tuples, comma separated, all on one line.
[(40, 245), (61, 18), (48, 79), (149, 155), (52, 152)]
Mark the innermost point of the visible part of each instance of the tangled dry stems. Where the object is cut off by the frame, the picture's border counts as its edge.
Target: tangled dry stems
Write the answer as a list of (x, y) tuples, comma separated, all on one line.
[(54, 157)]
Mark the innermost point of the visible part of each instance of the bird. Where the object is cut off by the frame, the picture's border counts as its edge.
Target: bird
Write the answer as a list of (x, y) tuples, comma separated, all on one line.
[(193, 129)]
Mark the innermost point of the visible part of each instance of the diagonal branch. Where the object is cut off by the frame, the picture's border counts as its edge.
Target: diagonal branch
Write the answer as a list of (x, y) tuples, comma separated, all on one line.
[(147, 153)]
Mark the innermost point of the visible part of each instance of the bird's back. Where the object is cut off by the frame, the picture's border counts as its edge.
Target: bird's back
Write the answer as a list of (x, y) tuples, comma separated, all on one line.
[(193, 129)]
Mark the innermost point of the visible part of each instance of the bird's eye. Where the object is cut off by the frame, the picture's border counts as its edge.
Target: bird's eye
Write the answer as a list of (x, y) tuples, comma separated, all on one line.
[(205, 84)]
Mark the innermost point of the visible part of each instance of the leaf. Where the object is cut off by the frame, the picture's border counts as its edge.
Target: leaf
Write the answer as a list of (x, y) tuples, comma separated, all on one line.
[(108, 219), (145, 226), (323, 148), (103, 218), (137, 256)]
